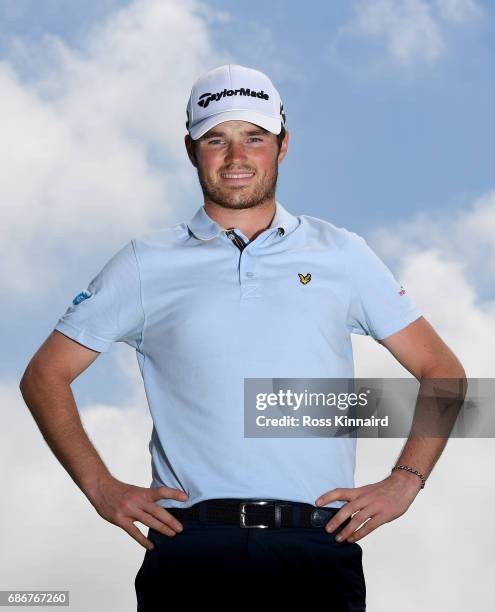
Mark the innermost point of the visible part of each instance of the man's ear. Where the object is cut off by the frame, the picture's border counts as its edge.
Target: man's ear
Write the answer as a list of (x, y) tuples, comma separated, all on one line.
[(190, 150), (284, 147)]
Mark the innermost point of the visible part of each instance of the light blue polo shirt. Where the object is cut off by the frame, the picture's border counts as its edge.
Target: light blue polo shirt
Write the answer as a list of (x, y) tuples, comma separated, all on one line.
[(205, 308)]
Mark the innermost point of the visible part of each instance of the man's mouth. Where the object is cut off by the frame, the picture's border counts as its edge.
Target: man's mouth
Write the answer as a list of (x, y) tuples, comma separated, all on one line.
[(237, 177)]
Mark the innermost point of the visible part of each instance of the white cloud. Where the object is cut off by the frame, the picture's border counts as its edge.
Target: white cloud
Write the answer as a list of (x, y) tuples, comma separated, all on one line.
[(447, 266), (435, 543), (52, 537), (458, 11), (444, 264), (92, 137), (408, 28), (397, 32)]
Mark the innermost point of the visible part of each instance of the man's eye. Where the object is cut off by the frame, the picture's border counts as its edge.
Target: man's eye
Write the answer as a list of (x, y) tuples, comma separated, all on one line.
[(217, 140)]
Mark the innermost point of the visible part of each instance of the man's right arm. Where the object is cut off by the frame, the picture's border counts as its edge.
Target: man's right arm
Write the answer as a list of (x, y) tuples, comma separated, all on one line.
[(45, 387)]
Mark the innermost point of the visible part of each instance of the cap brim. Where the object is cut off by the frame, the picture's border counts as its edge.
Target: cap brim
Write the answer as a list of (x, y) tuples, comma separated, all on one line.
[(272, 124)]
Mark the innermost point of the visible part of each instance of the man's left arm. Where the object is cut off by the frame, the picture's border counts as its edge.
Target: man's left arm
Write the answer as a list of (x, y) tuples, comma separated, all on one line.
[(421, 351)]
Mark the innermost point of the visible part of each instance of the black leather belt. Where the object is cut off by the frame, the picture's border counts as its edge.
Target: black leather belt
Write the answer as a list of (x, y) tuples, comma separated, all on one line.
[(258, 513)]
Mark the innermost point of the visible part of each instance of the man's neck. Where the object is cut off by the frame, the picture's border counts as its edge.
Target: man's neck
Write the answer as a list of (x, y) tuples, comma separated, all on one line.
[(250, 221)]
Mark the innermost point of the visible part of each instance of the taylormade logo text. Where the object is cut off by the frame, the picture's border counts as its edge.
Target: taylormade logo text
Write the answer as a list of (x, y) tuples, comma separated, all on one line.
[(206, 98)]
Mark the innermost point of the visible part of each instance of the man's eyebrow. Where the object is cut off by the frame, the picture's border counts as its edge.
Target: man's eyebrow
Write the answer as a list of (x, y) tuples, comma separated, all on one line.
[(217, 133)]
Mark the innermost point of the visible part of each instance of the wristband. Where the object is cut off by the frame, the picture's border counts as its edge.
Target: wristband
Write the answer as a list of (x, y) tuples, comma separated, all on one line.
[(404, 467)]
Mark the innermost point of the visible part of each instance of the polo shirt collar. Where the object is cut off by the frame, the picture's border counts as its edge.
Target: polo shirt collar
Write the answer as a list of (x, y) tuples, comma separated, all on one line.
[(202, 226)]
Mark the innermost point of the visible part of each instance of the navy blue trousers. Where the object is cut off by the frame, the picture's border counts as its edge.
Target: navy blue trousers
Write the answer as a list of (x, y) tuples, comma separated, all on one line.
[(217, 562)]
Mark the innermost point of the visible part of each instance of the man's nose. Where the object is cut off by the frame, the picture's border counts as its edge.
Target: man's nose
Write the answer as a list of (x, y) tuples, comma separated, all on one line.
[(235, 153)]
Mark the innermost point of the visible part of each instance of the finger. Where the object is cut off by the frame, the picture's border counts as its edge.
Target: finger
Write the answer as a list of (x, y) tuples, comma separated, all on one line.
[(345, 512), (344, 494), (168, 493), (367, 528), (336, 520), (150, 521), (358, 519), (335, 495), (135, 533), (164, 516)]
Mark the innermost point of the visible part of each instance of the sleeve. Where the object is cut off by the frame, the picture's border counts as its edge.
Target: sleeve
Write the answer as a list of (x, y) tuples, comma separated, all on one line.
[(110, 309), (379, 305)]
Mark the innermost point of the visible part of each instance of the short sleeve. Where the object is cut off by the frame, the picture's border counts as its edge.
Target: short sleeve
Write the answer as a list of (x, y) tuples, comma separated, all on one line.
[(379, 305), (110, 309)]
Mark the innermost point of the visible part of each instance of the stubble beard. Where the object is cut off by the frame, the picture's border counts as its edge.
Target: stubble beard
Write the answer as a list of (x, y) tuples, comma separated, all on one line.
[(239, 198)]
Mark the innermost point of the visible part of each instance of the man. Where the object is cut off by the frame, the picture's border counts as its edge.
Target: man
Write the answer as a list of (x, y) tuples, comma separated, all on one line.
[(243, 290)]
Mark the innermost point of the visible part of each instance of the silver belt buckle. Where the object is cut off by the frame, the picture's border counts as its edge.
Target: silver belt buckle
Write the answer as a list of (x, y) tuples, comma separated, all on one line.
[(243, 512)]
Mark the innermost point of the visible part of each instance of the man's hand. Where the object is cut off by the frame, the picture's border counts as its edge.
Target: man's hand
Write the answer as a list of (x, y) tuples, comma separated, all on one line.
[(376, 503), (122, 504)]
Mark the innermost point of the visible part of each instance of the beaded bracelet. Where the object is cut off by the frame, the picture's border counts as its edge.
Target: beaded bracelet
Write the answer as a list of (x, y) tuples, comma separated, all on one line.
[(404, 467)]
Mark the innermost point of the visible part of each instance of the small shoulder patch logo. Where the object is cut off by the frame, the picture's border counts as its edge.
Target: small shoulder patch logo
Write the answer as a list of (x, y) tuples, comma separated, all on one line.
[(304, 279), (402, 290), (80, 297)]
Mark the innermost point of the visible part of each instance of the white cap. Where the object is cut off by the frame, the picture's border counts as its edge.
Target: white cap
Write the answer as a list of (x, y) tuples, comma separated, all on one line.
[(233, 92)]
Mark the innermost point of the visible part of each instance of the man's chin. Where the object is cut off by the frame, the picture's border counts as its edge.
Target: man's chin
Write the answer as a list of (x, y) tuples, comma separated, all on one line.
[(236, 204), (237, 197)]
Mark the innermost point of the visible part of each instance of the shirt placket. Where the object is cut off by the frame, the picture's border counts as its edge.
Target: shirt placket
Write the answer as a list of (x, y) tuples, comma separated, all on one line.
[(247, 267)]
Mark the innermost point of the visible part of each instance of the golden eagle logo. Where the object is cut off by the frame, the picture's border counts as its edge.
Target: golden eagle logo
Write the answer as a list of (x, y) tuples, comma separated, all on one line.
[(304, 279)]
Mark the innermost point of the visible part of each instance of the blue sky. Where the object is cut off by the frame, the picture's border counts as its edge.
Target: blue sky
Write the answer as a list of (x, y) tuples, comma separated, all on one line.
[(413, 137), (381, 129), (365, 150), (390, 108)]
